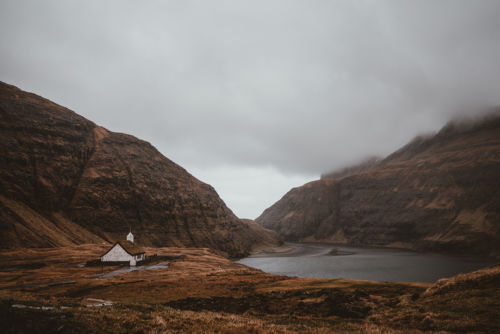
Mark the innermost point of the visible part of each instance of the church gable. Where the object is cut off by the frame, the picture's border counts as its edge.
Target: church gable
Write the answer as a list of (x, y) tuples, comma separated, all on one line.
[(116, 253)]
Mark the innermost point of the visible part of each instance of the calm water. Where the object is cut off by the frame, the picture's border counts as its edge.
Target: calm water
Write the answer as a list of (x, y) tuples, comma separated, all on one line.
[(313, 260)]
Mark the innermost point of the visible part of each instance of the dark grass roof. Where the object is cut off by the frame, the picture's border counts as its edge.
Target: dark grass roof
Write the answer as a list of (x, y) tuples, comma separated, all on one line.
[(130, 247)]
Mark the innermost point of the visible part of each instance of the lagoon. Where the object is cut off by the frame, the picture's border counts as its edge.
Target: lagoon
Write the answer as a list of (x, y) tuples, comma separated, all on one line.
[(362, 263)]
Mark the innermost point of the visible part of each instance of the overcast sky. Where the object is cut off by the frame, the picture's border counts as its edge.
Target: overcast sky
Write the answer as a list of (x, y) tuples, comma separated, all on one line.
[(257, 97)]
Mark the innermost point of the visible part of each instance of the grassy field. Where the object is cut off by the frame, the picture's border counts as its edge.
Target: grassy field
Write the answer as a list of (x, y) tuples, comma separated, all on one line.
[(47, 290)]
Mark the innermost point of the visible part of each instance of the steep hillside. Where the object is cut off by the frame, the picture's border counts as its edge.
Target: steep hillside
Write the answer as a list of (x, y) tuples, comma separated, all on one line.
[(439, 192), (265, 239), (65, 180), (363, 166)]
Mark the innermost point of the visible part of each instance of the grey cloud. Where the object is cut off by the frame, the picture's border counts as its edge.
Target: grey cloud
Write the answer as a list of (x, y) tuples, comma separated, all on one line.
[(303, 86)]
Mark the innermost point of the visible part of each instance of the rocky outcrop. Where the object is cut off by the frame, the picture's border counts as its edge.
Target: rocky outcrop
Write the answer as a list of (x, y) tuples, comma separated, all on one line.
[(439, 193), (65, 180)]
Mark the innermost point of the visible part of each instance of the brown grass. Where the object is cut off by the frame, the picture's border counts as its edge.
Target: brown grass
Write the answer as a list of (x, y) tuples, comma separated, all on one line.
[(202, 292)]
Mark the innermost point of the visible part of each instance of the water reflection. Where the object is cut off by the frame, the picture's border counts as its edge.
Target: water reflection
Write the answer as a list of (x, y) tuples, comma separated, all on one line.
[(314, 260)]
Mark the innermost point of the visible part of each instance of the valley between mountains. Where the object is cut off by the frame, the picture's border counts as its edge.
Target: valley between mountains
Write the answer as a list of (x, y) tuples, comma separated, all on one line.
[(70, 188)]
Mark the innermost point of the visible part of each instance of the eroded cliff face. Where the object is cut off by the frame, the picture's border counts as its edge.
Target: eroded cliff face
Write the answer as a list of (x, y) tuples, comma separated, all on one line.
[(65, 180), (439, 193)]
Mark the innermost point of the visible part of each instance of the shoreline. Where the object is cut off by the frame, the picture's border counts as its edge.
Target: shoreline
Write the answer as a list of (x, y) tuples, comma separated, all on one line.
[(292, 249), (296, 249)]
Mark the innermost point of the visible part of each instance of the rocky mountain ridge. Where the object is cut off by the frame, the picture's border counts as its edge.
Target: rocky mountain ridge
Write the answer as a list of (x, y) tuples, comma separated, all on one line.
[(438, 193), (65, 180)]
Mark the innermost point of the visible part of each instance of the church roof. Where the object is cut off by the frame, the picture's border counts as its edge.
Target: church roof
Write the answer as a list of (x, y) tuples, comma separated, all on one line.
[(130, 247)]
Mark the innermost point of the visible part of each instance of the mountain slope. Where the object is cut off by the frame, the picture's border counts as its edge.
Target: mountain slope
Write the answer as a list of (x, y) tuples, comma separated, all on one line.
[(439, 193), (65, 180)]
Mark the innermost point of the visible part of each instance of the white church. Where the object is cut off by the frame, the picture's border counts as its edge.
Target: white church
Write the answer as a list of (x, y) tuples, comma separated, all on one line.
[(124, 251)]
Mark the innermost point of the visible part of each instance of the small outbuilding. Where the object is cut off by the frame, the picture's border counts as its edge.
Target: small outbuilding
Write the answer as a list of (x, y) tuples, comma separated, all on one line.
[(124, 251)]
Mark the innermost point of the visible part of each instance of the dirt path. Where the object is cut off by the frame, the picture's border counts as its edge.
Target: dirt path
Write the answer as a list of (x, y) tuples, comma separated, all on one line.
[(161, 265)]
